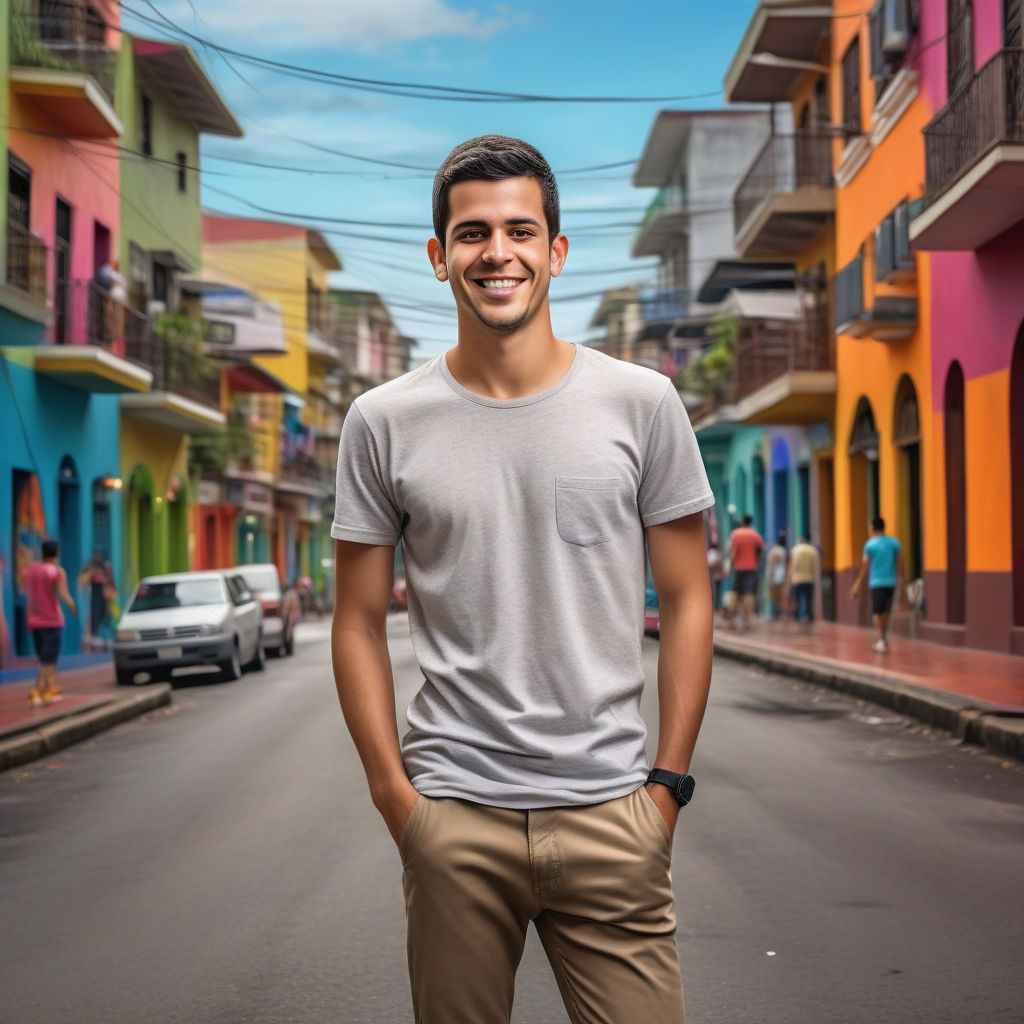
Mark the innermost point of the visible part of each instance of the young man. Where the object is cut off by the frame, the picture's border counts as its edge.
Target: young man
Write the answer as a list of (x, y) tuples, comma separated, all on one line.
[(801, 577), (883, 563), (44, 582), (523, 474), (745, 547)]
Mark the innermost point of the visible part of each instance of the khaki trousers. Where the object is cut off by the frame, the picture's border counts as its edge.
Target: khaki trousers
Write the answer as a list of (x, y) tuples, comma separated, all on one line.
[(595, 881)]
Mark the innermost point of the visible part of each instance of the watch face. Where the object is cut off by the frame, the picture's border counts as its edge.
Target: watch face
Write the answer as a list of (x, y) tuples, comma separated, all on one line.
[(684, 789)]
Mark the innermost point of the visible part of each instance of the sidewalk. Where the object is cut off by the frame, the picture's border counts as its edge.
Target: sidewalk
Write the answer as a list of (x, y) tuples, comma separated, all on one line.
[(978, 696), (92, 702)]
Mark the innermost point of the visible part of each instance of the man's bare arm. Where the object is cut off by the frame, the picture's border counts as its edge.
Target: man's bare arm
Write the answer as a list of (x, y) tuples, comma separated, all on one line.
[(865, 565), (678, 558), (364, 575), (64, 594)]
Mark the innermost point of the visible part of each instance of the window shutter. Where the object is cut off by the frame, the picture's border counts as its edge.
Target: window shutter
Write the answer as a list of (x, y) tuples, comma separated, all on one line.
[(875, 31), (851, 88), (1013, 25), (959, 44)]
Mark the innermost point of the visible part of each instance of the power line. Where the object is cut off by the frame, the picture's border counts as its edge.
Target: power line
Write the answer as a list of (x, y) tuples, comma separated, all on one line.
[(416, 90)]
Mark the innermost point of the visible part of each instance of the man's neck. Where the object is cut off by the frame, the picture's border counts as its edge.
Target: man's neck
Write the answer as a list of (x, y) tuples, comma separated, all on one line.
[(510, 365)]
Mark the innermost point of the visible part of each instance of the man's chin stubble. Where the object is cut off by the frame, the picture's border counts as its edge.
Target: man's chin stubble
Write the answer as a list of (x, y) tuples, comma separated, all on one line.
[(503, 326)]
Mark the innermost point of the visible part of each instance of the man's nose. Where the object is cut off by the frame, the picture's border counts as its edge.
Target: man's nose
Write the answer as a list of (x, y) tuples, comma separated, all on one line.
[(496, 250)]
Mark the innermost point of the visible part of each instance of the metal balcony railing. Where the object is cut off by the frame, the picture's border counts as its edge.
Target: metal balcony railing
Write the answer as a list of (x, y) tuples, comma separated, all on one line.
[(301, 468), (988, 110), (769, 349), (177, 365), (62, 36), (666, 305), (86, 314), (786, 163), (26, 261)]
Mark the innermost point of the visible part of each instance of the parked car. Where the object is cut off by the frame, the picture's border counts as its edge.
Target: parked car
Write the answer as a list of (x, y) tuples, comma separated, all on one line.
[(184, 619), (280, 604)]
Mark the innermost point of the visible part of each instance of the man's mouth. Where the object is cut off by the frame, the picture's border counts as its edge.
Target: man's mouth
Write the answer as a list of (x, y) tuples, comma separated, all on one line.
[(499, 285)]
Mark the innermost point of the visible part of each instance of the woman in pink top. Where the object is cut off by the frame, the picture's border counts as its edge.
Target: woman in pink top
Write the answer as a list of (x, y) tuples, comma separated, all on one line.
[(44, 582)]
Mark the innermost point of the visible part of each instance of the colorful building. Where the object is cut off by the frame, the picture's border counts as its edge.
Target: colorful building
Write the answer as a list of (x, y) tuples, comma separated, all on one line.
[(274, 497), (971, 226), (63, 343), (784, 210), (165, 101)]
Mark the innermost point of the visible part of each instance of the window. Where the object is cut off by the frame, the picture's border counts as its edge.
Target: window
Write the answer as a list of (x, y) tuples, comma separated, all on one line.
[(19, 191), (1013, 25), (959, 44), (146, 125), (851, 88), (182, 172)]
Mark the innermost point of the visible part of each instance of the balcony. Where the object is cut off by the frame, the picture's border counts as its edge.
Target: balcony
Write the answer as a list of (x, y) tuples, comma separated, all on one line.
[(785, 198), (892, 317), (974, 160), (88, 341), (667, 215), (185, 396), (781, 44), (300, 473), (785, 371), (25, 294), (61, 61)]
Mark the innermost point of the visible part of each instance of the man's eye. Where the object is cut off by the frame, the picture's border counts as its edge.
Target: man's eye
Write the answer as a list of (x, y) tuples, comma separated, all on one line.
[(472, 236), (522, 233)]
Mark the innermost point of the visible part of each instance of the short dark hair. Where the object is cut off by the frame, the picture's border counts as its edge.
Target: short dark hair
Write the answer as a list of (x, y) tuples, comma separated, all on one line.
[(747, 520), (782, 537), (50, 548), (494, 158), (878, 523)]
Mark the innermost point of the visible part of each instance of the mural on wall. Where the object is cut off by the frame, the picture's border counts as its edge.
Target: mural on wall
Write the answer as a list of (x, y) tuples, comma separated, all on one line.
[(29, 533)]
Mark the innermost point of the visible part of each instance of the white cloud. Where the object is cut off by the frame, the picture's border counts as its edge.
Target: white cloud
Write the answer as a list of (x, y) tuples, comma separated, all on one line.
[(330, 24)]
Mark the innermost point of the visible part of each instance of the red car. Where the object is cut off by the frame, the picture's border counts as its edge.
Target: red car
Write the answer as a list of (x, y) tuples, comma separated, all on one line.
[(280, 604)]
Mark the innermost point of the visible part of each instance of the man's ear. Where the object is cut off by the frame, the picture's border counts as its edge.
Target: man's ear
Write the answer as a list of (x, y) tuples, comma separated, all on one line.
[(559, 252), (435, 252)]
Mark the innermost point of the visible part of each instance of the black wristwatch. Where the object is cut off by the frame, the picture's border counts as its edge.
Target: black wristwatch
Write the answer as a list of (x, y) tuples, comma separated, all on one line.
[(681, 785)]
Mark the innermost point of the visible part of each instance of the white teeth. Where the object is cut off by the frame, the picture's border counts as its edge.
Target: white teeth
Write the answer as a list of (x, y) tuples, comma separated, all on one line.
[(509, 282)]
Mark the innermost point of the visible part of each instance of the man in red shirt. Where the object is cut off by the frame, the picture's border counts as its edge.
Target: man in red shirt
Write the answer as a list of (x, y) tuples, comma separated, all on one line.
[(44, 582), (745, 547)]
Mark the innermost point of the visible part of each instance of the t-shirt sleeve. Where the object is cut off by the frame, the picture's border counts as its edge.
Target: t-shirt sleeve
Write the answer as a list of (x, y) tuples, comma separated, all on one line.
[(364, 509), (673, 482)]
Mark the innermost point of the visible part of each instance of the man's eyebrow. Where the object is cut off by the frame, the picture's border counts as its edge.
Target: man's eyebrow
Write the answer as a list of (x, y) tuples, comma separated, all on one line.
[(483, 224)]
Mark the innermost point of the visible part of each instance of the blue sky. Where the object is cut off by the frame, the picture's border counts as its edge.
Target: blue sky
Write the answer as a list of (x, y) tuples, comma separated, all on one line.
[(554, 48)]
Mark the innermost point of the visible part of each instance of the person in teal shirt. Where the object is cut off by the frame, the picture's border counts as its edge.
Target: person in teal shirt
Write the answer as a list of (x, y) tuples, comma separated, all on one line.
[(883, 563)]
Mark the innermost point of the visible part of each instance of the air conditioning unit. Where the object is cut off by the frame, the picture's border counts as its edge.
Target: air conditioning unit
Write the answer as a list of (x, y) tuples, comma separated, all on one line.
[(896, 26)]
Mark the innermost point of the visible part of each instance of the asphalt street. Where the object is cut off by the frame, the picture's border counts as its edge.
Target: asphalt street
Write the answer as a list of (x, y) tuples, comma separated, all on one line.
[(219, 862)]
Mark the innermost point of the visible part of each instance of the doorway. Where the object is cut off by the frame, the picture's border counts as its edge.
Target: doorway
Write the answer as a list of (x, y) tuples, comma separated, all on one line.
[(69, 536), (907, 439), (956, 497)]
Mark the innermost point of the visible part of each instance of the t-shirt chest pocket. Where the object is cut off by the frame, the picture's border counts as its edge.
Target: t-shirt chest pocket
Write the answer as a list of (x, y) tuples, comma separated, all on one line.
[(589, 510)]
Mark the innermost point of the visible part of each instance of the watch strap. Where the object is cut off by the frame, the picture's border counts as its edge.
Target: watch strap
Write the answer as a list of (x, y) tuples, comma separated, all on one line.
[(681, 785)]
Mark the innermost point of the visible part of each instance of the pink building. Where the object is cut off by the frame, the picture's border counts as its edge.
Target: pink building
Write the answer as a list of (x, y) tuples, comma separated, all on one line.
[(972, 224)]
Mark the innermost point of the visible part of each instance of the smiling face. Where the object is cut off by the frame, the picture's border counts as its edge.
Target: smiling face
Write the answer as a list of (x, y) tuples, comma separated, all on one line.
[(497, 255)]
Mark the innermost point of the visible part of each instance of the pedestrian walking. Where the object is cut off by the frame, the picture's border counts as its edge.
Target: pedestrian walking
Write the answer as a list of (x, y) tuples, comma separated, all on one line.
[(521, 790), (716, 569), (883, 565), (802, 575), (775, 570), (98, 576), (745, 548), (46, 584)]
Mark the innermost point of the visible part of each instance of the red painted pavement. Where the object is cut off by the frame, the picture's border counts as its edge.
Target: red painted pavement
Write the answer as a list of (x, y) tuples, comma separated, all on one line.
[(981, 675)]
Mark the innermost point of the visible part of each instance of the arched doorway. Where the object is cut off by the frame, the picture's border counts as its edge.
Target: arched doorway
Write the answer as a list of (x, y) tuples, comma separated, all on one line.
[(956, 496), (864, 489), (758, 510), (69, 536), (140, 531), (1017, 474), (177, 499), (29, 532), (780, 489), (906, 437), (739, 497)]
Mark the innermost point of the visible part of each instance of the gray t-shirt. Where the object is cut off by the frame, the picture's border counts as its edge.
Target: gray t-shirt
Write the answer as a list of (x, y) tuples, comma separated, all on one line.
[(522, 523)]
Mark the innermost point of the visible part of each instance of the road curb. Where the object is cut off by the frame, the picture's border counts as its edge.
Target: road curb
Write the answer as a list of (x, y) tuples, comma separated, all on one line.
[(970, 721), (47, 739)]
